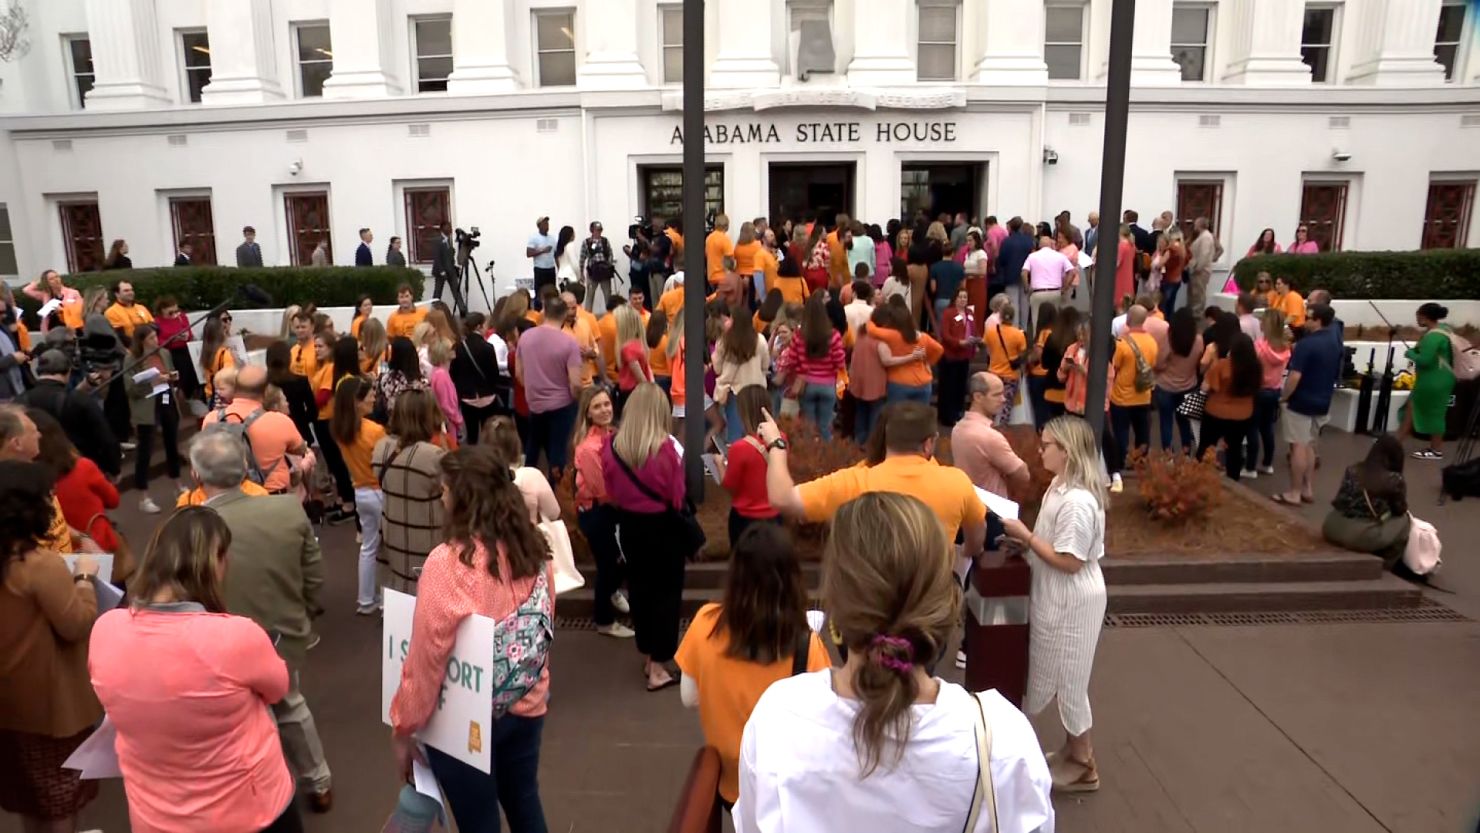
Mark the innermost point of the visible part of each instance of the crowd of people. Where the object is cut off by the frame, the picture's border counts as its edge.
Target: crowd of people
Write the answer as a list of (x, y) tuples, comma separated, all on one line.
[(443, 437)]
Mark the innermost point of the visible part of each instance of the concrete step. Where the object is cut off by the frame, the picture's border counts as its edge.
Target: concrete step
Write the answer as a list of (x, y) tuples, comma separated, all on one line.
[(1385, 591)]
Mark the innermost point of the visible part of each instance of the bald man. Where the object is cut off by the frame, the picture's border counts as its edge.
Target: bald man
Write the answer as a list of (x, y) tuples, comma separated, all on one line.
[(270, 435), (978, 448)]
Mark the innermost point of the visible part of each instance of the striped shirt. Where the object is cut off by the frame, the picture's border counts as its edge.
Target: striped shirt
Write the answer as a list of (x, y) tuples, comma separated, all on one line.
[(824, 370)]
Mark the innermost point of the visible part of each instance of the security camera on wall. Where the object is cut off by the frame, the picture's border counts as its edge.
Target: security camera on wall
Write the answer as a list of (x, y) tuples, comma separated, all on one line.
[(295, 167), (1341, 155)]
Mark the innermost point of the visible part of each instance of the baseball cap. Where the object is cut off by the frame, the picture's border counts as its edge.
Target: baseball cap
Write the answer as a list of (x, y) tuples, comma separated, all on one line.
[(53, 363), (542, 219)]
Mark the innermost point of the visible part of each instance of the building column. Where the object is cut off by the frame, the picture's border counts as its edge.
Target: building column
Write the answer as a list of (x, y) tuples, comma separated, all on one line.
[(1151, 45), (1012, 50), (480, 48), (363, 65), (611, 61), (881, 56), (743, 55), (1266, 43), (1395, 43), (125, 48), (242, 67)]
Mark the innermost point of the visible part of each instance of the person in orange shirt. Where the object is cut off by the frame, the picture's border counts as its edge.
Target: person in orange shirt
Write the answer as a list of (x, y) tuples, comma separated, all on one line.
[(907, 354), (657, 342), (215, 356), (401, 323), (838, 274), (323, 381), (1130, 396), (1007, 349), (736, 648), (356, 435), (582, 324), (1285, 299), (606, 335), (717, 247), (364, 309), (124, 315), (671, 302), (304, 356), (747, 245), (50, 286)]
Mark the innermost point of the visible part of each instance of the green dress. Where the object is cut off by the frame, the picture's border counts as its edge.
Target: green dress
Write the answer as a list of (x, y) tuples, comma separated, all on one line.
[(1433, 359)]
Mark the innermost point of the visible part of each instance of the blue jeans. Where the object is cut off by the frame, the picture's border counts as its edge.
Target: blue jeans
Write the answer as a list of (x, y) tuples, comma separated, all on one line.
[(513, 782), (1166, 403), (733, 429), (865, 414), (1169, 297), (550, 433), (817, 403), (896, 392)]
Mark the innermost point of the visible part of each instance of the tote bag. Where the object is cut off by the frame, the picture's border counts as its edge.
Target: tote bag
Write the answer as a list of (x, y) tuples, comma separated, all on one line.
[(567, 577), (1421, 555)]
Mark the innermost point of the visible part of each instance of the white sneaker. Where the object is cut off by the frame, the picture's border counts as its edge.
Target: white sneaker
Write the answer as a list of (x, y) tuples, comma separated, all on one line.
[(1116, 484), (619, 601), (128, 446), (960, 659), (1249, 474), (148, 506), (1266, 469), (367, 610), (616, 629)]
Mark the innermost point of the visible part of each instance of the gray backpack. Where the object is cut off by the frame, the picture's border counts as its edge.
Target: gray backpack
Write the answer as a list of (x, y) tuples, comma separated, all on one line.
[(255, 472)]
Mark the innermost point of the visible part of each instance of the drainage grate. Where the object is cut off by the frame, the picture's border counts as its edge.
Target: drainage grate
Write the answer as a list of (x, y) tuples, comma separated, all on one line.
[(1427, 611), (585, 623)]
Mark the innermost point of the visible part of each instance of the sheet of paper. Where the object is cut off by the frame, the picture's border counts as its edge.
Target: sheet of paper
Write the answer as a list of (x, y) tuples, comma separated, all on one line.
[(104, 559), (145, 375), (48, 308), (1085, 261), (160, 389), (108, 595), (711, 465), (998, 505), (426, 784), (96, 758)]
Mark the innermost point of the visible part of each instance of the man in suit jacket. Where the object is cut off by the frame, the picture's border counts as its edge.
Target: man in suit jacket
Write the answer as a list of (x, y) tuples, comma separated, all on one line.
[(444, 270), (363, 255), (275, 576), (182, 257), (249, 253)]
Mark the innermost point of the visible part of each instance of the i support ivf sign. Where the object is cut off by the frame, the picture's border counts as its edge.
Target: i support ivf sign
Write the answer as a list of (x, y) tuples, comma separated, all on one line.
[(462, 724)]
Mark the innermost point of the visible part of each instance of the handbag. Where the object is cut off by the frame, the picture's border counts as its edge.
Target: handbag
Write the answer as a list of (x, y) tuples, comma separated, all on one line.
[(1193, 404), (691, 537), (567, 577), (985, 792), (1014, 363), (1421, 554)]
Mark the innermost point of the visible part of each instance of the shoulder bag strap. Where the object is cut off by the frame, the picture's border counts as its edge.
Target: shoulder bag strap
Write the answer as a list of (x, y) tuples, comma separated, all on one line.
[(386, 463), (636, 481), (985, 792), (799, 653), (472, 359)]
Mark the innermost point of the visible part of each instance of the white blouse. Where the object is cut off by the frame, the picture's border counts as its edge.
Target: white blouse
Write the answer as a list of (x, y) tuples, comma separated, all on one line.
[(799, 770)]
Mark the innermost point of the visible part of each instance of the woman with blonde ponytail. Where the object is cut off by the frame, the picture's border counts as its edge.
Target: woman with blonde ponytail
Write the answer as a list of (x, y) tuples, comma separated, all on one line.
[(880, 744)]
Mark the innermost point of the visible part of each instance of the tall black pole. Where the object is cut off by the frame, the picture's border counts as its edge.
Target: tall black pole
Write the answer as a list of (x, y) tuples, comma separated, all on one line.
[(1112, 181), (696, 285)]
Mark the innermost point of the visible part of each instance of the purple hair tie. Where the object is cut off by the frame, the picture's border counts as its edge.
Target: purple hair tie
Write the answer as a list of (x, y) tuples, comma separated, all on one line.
[(894, 643)]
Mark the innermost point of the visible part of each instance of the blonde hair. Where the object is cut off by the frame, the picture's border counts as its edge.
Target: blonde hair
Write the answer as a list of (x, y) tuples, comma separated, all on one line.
[(645, 423), (629, 326), (890, 592), (285, 330), (439, 352), (373, 340), (422, 334), (1272, 327), (937, 232), (1082, 453), (225, 377)]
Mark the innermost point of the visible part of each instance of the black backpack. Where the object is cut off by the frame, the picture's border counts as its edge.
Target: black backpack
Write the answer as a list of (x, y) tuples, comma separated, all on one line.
[(1462, 480)]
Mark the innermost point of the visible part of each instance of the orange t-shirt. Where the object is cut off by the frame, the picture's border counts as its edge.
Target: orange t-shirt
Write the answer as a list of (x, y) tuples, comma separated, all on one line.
[(322, 379), (1124, 392), (1038, 369), (606, 331), (357, 454), (913, 374), (215, 364), (745, 258), (126, 318), (1291, 304), (402, 323), (671, 302), (1004, 343), (196, 497), (658, 358), (304, 360), (945, 489), (717, 246), (730, 687)]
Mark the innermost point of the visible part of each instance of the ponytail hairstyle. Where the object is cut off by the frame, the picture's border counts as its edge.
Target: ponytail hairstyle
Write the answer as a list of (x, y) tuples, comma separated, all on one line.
[(486, 508), (889, 590)]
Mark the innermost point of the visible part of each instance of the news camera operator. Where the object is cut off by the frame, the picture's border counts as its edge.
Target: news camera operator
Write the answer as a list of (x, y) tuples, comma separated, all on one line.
[(444, 266)]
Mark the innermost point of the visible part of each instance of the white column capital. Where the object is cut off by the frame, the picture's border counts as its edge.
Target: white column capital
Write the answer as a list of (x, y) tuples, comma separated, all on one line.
[(1396, 44), (743, 56), (611, 61), (125, 48), (1151, 46), (881, 56), (480, 48), (243, 66), (1266, 43), (1012, 50), (363, 65)]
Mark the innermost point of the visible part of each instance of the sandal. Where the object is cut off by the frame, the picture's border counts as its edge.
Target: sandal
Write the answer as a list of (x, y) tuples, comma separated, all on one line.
[(671, 682), (1087, 781), (1279, 497)]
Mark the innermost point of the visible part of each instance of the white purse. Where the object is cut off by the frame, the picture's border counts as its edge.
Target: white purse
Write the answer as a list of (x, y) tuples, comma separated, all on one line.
[(567, 577)]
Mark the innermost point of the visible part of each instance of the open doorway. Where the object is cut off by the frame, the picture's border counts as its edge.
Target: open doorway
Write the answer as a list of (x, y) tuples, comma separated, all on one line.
[(802, 189), (942, 188)]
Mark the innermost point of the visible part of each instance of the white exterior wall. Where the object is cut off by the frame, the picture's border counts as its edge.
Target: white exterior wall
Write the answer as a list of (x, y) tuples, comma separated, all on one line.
[(503, 171)]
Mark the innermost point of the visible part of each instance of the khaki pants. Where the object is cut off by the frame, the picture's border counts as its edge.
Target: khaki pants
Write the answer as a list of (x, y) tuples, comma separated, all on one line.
[(300, 738)]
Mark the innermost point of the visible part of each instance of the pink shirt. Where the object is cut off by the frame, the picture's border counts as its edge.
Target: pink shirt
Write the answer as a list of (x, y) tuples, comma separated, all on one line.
[(993, 244), (981, 451), (188, 692), (545, 355), (1274, 363), (448, 592), (1309, 247), (590, 482), (446, 394), (1047, 270)]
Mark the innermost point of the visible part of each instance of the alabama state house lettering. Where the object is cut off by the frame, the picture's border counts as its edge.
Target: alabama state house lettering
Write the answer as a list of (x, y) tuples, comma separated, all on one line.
[(824, 132)]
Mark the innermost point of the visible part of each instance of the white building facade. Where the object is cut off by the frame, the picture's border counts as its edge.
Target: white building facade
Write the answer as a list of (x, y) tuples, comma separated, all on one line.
[(160, 121)]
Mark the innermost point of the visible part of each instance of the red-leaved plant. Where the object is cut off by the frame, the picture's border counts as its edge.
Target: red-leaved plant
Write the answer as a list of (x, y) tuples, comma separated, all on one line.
[(1177, 487)]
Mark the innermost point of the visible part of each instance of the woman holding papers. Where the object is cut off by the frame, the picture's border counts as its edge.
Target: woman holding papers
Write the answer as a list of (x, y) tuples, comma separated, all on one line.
[(153, 411), (47, 707), (494, 563)]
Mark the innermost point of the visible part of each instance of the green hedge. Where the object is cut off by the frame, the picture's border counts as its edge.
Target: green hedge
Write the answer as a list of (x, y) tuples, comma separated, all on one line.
[(1434, 275), (203, 287)]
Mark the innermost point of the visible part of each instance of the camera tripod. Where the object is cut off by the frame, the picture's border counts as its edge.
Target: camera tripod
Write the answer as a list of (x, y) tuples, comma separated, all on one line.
[(469, 272)]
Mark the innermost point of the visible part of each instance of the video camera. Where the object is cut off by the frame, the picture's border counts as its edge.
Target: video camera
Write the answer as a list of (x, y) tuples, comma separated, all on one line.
[(468, 240), (638, 226)]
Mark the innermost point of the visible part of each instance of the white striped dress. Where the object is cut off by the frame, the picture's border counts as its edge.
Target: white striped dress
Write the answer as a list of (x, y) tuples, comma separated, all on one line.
[(1066, 610)]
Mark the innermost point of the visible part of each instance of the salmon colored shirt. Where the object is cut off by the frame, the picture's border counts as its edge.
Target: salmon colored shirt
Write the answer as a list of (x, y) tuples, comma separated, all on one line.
[(590, 482), (448, 592), (913, 374), (188, 692), (403, 324)]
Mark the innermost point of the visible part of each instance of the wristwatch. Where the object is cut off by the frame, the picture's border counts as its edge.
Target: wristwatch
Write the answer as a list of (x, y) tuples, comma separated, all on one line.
[(779, 442)]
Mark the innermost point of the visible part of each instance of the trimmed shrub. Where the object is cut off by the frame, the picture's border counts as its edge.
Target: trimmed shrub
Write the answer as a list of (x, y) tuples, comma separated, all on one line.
[(203, 287), (1176, 488), (1432, 275)]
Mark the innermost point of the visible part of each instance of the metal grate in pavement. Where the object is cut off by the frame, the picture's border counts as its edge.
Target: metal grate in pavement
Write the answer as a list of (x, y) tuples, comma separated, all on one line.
[(1428, 611), (586, 623)]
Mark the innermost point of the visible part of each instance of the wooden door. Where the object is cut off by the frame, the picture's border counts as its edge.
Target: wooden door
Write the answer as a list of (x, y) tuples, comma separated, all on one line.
[(1323, 213), (193, 224), (1446, 218), (308, 223), (82, 230), (1199, 199), (426, 210)]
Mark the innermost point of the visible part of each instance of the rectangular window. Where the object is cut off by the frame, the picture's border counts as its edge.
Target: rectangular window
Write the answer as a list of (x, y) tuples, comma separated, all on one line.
[(1190, 30), (1323, 213), (670, 27), (308, 225), (7, 244), (80, 67), (433, 43), (662, 190), (555, 48), (82, 233), (1446, 218), (315, 58), (1317, 35), (1063, 42), (192, 222), (809, 41), (935, 57), (426, 210), (1450, 35), (1199, 198), (195, 56)]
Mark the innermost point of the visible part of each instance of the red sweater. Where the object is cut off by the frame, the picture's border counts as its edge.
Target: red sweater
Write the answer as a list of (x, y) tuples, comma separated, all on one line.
[(745, 480), (956, 325), (85, 494)]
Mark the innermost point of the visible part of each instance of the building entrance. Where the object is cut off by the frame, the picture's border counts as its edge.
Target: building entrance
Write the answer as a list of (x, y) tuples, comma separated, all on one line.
[(802, 189), (942, 188)]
